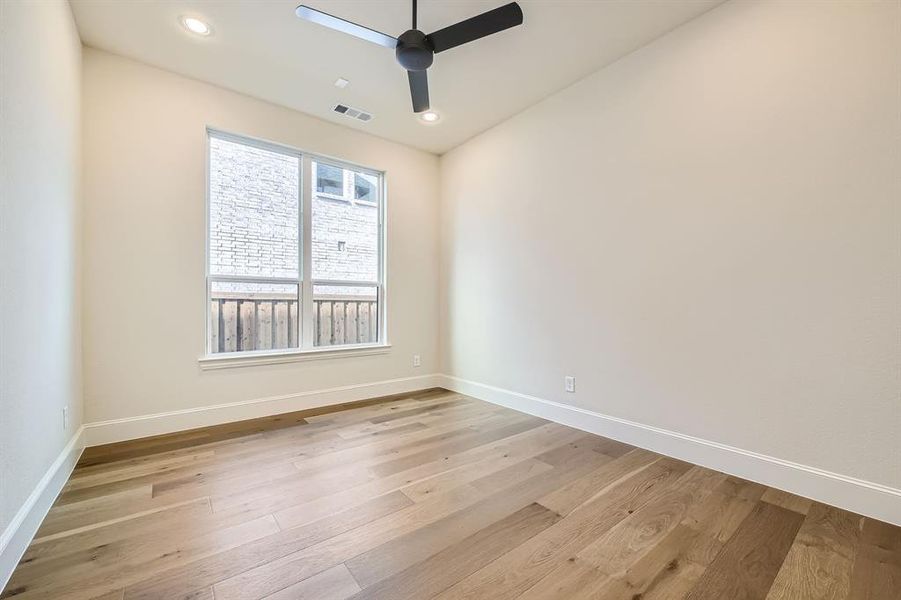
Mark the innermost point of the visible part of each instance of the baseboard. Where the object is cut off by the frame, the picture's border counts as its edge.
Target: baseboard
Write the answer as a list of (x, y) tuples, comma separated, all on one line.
[(859, 496), (130, 428), (18, 534)]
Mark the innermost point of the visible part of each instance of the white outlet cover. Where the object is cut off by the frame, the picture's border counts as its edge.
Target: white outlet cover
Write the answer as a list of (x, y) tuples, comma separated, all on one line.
[(569, 383)]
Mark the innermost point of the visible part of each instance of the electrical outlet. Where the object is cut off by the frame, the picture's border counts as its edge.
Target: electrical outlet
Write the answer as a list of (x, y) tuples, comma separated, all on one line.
[(569, 384), (65, 418), (417, 361)]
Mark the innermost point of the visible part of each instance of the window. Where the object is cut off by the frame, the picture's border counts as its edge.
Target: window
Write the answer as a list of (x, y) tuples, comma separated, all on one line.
[(329, 180), (365, 187), (270, 287), (339, 183)]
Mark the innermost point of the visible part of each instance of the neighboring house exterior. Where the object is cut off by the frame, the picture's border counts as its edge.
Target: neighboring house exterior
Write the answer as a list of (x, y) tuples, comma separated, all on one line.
[(345, 225), (254, 219)]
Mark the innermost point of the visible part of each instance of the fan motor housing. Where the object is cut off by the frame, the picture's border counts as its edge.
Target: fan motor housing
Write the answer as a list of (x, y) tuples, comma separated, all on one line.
[(413, 51)]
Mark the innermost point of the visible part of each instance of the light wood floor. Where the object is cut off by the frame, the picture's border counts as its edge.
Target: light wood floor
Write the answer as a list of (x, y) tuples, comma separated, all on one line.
[(439, 496)]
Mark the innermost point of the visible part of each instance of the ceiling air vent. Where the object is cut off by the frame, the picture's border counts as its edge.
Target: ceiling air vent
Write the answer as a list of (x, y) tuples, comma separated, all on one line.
[(353, 113)]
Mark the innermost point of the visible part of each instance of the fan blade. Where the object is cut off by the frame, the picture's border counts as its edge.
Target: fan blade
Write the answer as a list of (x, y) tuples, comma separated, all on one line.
[(505, 17), (338, 24), (419, 90)]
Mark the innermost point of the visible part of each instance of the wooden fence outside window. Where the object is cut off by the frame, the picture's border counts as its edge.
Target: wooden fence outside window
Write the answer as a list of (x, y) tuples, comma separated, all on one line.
[(242, 322)]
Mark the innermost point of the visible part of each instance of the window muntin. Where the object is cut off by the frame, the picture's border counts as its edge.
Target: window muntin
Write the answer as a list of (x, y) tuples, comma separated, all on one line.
[(258, 297)]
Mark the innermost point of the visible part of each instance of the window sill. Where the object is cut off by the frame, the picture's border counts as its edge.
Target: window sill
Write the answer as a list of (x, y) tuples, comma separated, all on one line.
[(347, 199), (252, 359), (328, 196)]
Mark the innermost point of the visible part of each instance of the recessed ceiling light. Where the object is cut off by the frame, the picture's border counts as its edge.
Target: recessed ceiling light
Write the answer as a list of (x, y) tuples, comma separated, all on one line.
[(341, 83), (429, 116), (195, 26)]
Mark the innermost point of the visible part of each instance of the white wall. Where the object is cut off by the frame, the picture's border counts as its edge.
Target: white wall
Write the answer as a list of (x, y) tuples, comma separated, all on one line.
[(144, 290), (40, 346), (705, 233)]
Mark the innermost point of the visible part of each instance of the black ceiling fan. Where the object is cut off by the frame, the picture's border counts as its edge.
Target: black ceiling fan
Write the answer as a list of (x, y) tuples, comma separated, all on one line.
[(415, 50)]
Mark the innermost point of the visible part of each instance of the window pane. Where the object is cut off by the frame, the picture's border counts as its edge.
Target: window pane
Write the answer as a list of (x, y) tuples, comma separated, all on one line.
[(365, 187), (345, 236), (329, 179), (253, 211), (253, 316), (345, 315)]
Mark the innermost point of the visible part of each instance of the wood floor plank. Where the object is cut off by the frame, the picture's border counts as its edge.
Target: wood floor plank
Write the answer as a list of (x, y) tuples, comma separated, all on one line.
[(820, 562), (462, 443), (571, 578), (583, 490), (120, 512), (78, 514), (517, 488), (876, 573), (224, 565), (748, 564), (721, 514), (332, 584), (788, 501), (521, 568), (675, 563), (670, 570), (136, 526), (641, 531), (434, 495), (333, 472), (295, 567), (447, 480), (438, 572), (340, 452), (117, 595), (95, 576), (81, 480), (607, 566), (418, 410), (204, 594), (504, 454), (734, 486), (328, 485), (308, 562)]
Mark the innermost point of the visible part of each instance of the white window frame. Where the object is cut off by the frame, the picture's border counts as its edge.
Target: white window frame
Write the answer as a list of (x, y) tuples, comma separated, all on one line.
[(307, 350)]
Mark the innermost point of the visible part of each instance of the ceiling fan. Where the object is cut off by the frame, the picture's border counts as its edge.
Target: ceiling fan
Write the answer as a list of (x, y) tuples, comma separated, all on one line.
[(414, 49)]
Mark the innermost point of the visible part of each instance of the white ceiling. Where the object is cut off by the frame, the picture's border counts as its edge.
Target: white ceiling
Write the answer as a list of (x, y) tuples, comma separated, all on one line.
[(260, 48)]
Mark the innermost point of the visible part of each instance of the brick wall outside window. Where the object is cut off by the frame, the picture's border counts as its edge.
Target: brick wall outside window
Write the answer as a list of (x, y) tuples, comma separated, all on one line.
[(254, 221)]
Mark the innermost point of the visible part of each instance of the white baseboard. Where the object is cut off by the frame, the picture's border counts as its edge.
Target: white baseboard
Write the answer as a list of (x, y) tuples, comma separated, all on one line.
[(859, 496), (18, 534), (118, 430)]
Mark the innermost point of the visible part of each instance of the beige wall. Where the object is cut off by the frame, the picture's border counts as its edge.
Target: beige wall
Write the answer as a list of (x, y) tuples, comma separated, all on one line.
[(40, 358), (144, 183), (705, 233)]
